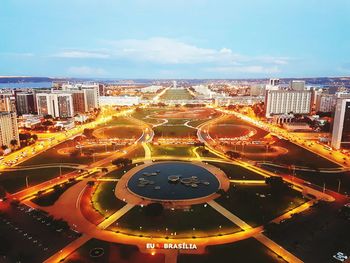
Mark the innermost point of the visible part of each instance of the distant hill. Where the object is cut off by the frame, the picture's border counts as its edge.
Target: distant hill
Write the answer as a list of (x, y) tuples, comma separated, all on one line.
[(15, 79)]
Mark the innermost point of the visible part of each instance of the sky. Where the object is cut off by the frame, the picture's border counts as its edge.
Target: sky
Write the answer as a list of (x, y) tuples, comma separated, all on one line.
[(175, 38)]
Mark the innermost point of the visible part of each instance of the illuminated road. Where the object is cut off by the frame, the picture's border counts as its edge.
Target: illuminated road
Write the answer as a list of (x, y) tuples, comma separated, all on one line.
[(333, 155), (93, 167), (300, 184), (57, 138)]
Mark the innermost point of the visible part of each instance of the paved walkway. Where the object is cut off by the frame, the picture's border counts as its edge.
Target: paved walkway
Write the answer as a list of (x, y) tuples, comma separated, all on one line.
[(236, 220), (286, 255), (69, 249), (248, 181), (148, 153), (111, 219), (106, 179), (273, 246)]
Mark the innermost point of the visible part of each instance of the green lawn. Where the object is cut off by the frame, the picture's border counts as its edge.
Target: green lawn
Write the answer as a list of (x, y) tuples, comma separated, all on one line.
[(125, 131), (197, 221), (142, 113), (167, 150), (104, 199), (237, 172), (48, 199), (51, 156), (233, 120), (258, 204), (175, 131), (139, 152), (301, 157), (15, 181), (247, 251), (195, 123), (118, 121), (176, 94), (117, 174)]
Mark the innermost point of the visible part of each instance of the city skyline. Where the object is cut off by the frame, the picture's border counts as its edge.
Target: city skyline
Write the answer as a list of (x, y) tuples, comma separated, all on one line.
[(185, 39)]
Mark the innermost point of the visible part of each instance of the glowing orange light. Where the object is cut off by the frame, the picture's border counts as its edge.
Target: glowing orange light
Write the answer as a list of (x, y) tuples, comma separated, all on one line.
[(153, 253)]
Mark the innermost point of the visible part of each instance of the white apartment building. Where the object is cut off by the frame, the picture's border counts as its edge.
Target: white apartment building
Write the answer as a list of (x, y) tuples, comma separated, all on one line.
[(274, 84), (151, 89), (325, 103), (287, 101), (8, 128), (297, 85), (91, 97), (55, 104), (91, 93), (119, 100), (341, 125)]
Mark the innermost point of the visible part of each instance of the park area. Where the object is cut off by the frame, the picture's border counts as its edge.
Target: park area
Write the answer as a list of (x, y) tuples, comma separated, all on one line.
[(97, 251), (247, 251), (259, 204), (14, 181), (176, 94), (194, 221), (172, 150)]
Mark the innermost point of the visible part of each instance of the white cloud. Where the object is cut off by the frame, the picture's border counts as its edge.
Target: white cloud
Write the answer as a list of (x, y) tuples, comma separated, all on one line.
[(245, 69), (171, 52), (168, 51), (86, 71), (81, 54), (13, 54)]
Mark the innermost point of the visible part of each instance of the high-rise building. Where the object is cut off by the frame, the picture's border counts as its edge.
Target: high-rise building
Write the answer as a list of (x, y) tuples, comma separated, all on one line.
[(325, 103), (55, 104), (101, 90), (287, 101), (7, 102), (274, 84), (341, 125), (297, 85), (25, 103), (44, 104), (79, 104), (257, 90), (91, 96), (8, 128), (64, 105)]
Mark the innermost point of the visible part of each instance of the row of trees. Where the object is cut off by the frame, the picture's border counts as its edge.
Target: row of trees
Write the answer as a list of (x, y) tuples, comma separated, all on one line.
[(13, 145), (122, 162), (27, 139)]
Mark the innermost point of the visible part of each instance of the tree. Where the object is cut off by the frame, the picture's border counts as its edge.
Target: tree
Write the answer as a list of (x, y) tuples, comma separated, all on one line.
[(24, 136), (122, 162), (47, 123), (47, 117), (233, 154), (4, 147), (14, 143)]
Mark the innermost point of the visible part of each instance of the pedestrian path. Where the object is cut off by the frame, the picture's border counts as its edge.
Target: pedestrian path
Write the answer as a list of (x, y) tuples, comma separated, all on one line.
[(286, 255)]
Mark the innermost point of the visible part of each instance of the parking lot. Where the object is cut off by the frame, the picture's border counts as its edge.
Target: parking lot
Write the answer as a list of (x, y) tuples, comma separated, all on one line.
[(29, 235)]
